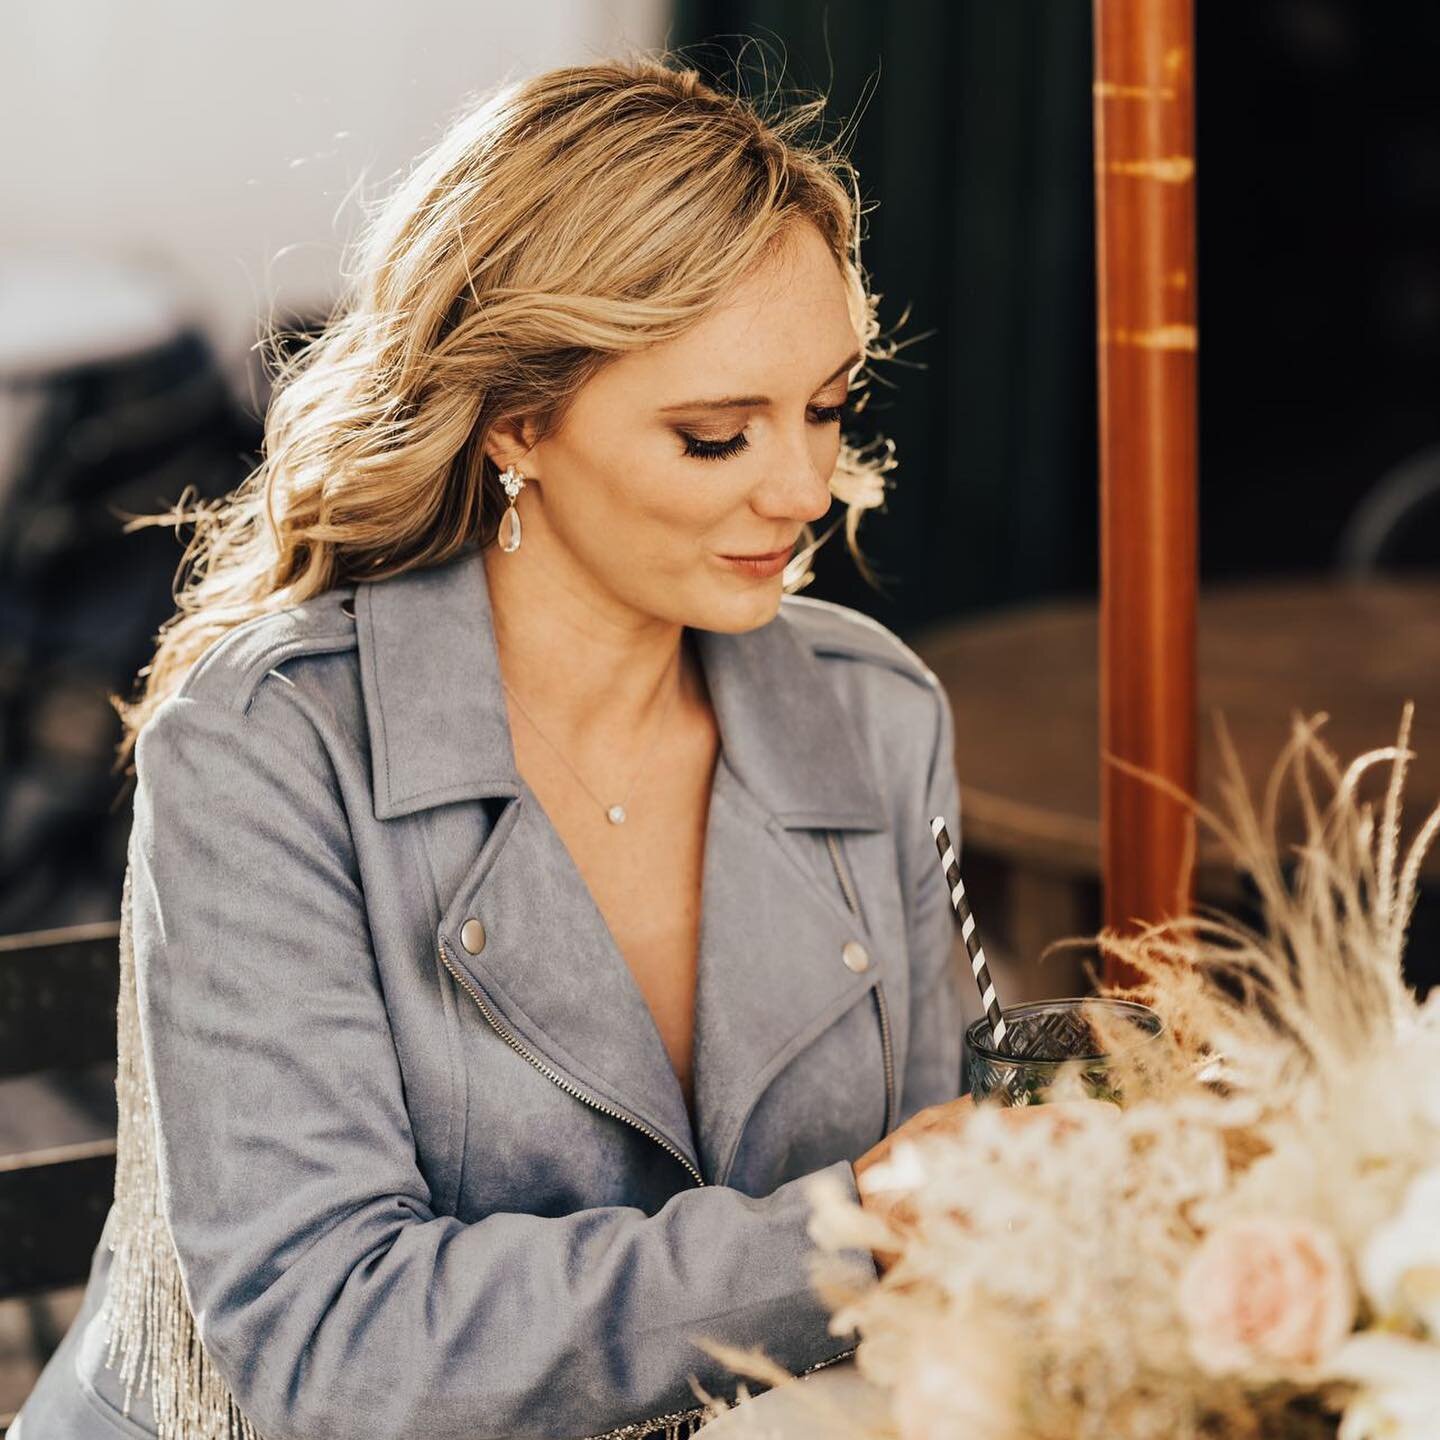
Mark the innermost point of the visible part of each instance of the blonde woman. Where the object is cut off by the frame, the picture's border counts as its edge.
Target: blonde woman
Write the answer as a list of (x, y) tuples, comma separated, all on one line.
[(528, 892)]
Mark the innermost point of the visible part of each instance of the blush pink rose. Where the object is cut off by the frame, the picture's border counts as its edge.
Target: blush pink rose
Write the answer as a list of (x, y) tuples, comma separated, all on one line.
[(1268, 1295)]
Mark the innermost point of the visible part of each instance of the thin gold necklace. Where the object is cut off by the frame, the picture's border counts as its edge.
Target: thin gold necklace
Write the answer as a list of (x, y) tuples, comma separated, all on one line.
[(614, 813)]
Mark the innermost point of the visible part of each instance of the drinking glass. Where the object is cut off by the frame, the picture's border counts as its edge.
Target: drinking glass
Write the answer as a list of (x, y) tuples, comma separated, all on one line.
[(1044, 1035)]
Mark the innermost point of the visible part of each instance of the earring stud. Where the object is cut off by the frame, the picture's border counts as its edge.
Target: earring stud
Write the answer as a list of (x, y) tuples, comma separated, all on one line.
[(514, 482)]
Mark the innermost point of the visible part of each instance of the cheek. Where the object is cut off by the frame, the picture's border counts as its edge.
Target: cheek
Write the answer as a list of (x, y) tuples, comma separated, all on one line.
[(684, 498), (634, 493), (698, 505)]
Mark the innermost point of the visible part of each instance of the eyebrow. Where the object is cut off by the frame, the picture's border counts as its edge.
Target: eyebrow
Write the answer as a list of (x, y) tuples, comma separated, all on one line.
[(747, 402)]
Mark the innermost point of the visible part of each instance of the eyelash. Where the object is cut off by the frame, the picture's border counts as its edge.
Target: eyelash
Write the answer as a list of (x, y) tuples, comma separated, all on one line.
[(698, 449)]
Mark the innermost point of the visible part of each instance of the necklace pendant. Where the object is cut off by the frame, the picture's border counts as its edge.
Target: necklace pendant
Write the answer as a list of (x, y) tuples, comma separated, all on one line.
[(616, 814)]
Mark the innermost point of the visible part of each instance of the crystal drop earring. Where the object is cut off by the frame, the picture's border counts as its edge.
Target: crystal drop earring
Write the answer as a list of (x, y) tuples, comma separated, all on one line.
[(509, 531)]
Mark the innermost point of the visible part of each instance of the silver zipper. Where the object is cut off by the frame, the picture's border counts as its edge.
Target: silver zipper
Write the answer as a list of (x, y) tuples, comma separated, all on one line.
[(844, 879), (668, 1425), (882, 1007), (509, 1038)]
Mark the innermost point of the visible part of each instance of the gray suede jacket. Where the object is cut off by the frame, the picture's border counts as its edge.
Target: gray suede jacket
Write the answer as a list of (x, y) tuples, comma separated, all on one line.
[(428, 1169)]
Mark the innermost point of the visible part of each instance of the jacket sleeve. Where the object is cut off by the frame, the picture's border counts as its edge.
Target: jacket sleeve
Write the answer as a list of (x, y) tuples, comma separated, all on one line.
[(937, 1020), (331, 1297)]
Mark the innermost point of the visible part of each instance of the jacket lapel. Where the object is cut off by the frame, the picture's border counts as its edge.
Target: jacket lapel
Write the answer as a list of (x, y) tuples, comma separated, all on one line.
[(773, 924), (771, 975)]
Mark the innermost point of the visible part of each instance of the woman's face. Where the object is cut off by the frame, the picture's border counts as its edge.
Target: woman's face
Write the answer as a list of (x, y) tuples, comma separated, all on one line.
[(645, 489)]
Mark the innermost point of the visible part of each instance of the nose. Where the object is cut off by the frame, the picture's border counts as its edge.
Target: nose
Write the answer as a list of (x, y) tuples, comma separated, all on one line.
[(797, 488)]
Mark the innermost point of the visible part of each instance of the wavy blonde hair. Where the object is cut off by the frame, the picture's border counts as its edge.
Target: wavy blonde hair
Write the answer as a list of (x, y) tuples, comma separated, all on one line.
[(560, 221)]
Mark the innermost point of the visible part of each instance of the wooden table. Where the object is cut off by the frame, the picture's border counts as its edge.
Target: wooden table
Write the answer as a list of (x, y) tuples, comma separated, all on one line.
[(1024, 689)]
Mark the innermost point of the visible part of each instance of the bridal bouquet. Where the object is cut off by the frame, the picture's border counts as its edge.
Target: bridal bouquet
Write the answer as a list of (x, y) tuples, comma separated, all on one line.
[(1251, 1246)]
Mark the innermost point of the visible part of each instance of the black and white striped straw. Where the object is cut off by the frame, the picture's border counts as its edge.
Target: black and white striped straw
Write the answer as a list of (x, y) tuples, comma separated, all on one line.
[(978, 967)]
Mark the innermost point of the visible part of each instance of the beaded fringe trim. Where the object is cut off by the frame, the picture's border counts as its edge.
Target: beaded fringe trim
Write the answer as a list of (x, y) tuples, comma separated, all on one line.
[(149, 1320), (677, 1426), (681, 1424)]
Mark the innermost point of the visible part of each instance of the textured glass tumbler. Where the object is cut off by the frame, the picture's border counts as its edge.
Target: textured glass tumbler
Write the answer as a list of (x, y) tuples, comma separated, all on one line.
[(1043, 1036)]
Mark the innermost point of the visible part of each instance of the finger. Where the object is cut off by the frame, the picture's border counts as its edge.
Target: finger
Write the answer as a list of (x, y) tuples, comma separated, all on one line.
[(1061, 1116), (948, 1114)]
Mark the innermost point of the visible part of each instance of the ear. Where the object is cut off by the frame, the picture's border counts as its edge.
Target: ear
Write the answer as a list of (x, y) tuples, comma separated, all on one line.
[(509, 442)]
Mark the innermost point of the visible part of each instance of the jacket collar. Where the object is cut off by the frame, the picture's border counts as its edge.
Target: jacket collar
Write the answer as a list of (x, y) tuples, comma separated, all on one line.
[(440, 731)]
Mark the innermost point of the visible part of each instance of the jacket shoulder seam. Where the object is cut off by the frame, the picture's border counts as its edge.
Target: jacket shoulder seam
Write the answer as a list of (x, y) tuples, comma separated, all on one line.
[(838, 630), (230, 672)]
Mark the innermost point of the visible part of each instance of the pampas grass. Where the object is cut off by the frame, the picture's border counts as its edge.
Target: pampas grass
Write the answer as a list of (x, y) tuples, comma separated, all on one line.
[(1041, 1290)]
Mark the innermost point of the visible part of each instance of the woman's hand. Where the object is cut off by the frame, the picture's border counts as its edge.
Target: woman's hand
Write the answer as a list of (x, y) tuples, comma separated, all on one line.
[(950, 1118)]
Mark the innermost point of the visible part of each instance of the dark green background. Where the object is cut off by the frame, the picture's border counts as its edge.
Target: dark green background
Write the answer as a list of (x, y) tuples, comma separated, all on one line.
[(981, 228)]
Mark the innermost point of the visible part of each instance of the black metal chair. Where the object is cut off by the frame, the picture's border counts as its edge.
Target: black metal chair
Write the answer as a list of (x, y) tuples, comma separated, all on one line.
[(58, 993)]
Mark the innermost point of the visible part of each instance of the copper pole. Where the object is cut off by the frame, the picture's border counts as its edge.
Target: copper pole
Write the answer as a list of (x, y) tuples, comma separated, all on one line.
[(1144, 117)]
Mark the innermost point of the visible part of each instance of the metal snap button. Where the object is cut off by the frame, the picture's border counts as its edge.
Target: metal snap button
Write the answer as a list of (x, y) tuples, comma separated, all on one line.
[(853, 954), (347, 607), (472, 936)]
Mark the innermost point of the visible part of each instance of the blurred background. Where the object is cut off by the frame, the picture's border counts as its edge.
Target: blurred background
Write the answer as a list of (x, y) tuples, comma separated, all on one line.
[(174, 176)]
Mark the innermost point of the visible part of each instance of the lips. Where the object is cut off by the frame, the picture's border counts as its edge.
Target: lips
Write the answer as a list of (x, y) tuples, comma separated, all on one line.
[(764, 555), (758, 566)]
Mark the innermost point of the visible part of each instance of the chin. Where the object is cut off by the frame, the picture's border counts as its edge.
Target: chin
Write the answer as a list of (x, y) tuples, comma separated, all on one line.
[(755, 604)]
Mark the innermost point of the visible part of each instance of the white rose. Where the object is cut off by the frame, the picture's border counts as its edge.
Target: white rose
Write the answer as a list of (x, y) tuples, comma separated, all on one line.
[(1400, 1263), (1401, 1397)]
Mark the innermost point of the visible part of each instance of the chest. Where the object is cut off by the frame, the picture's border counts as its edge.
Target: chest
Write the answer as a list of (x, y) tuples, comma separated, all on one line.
[(646, 874), (535, 1072)]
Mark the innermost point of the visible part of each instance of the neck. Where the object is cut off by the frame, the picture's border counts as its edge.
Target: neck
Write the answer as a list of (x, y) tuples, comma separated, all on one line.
[(594, 674)]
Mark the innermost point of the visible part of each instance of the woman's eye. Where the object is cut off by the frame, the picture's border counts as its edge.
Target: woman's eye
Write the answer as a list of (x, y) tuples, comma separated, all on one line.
[(699, 449)]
